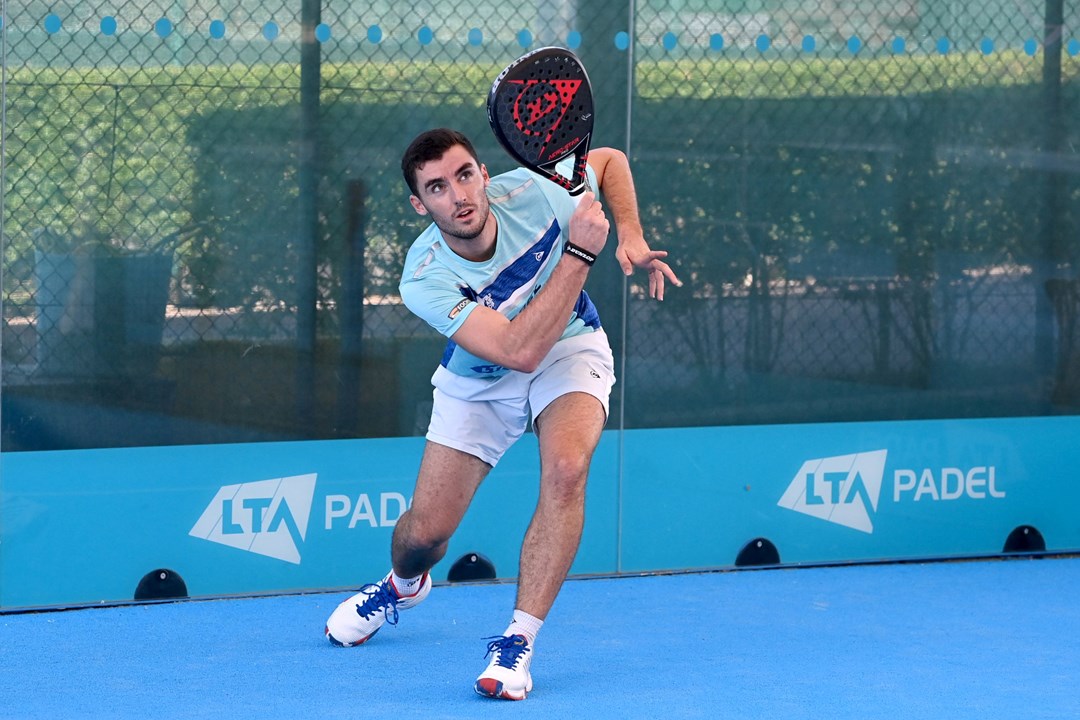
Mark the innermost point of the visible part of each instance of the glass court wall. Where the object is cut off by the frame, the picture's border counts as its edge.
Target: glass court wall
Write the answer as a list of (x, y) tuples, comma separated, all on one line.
[(873, 207)]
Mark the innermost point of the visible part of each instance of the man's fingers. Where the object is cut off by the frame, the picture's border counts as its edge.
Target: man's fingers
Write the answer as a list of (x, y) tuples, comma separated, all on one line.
[(650, 261), (668, 272), (650, 257)]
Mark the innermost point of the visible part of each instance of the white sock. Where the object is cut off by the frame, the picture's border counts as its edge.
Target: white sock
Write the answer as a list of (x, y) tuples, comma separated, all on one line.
[(405, 586), (525, 624)]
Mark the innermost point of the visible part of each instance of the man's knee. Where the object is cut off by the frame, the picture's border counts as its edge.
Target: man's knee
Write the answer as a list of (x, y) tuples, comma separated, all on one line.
[(564, 478), (420, 534), (571, 465)]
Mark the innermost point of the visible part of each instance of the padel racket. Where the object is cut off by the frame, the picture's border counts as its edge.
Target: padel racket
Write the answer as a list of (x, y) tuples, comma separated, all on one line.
[(541, 111)]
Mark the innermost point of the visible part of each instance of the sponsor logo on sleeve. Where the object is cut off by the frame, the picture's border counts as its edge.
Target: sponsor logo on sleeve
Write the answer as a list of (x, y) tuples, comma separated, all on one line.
[(458, 308)]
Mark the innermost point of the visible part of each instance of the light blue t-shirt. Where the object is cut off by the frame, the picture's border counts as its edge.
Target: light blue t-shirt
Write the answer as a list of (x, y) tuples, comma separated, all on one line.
[(443, 288)]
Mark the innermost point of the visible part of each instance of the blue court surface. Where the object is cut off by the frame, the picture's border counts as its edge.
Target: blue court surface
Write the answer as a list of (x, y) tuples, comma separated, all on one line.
[(979, 639)]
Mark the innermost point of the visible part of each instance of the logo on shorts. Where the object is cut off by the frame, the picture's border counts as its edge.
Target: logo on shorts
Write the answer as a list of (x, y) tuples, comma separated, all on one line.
[(267, 517)]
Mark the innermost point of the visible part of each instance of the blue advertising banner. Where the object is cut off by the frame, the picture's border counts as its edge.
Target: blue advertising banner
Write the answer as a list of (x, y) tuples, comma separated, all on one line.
[(825, 493), (85, 526), (81, 527)]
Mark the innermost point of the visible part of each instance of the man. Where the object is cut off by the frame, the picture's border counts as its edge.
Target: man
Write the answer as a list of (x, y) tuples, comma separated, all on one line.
[(501, 273)]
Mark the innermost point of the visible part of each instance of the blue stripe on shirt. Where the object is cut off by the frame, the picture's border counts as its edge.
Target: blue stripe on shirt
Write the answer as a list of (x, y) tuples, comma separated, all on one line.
[(587, 311), (521, 271)]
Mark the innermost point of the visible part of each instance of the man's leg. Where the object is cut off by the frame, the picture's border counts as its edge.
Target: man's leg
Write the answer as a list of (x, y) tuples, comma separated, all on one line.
[(445, 486), (569, 431)]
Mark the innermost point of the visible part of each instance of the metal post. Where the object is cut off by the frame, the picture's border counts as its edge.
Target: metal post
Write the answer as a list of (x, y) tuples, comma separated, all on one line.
[(307, 210), (1051, 250), (352, 311)]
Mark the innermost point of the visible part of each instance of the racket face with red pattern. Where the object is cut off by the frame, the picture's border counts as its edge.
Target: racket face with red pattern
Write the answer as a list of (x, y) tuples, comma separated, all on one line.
[(541, 111)]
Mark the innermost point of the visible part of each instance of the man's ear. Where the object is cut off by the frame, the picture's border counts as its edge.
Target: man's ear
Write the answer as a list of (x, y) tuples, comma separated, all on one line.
[(484, 174), (417, 205)]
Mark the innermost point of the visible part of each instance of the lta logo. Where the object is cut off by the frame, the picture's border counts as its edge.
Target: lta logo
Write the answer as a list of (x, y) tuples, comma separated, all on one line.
[(268, 517), (842, 489)]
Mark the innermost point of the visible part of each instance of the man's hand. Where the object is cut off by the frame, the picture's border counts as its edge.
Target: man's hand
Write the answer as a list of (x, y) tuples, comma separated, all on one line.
[(613, 175), (589, 225), (634, 252)]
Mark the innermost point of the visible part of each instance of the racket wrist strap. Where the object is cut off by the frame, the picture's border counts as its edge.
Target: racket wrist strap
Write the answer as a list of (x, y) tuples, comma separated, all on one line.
[(580, 253)]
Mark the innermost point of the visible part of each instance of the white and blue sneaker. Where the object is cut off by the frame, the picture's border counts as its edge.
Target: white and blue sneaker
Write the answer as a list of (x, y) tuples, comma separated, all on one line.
[(356, 620), (507, 676)]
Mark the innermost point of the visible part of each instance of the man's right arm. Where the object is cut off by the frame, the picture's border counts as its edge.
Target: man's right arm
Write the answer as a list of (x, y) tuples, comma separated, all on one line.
[(522, 343)]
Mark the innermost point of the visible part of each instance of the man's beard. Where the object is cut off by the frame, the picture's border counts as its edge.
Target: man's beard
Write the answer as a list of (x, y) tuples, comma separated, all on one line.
[(448, 229), (463, 235)]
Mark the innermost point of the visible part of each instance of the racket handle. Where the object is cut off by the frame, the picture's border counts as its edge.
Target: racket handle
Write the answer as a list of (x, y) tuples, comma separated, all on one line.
[(582, 166)]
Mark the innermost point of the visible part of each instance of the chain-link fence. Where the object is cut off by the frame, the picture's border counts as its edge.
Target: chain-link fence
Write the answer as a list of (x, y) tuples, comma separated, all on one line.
[(873, 207)]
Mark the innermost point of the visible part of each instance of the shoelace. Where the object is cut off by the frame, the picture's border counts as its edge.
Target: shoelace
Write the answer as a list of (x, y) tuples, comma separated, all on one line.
[(511, 648), (380, 597)]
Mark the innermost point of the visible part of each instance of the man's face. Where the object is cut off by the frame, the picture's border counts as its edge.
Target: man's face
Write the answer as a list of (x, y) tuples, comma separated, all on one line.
[(452, 191)]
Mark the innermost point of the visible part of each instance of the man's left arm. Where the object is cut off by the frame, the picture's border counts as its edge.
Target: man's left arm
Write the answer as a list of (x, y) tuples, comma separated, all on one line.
[(617, 185)]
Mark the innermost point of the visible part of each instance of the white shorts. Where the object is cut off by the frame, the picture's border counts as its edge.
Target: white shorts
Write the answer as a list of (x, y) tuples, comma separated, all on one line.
[(485, 417)]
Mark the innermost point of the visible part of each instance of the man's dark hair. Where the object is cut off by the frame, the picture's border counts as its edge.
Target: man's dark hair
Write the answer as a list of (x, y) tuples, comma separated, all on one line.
[(428, 146)]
